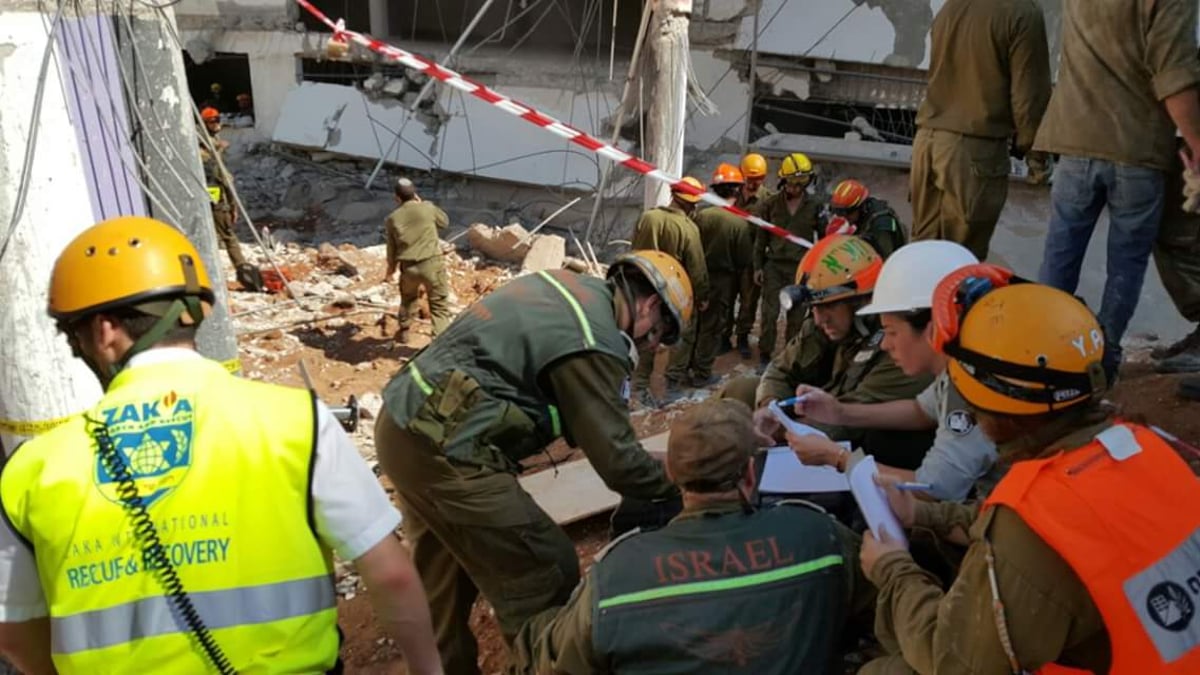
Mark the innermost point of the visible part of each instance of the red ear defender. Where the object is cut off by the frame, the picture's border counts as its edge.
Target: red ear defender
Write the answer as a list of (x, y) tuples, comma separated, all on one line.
[(956, 293)]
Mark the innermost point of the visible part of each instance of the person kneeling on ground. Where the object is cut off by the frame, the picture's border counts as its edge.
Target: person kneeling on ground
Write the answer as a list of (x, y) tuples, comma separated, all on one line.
[(1086, 544), (723, 587), (838, 351), (961, 457)]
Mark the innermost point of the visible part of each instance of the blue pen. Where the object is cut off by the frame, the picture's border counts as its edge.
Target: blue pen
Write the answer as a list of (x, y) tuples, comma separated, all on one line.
[(914, 487), (792, 401)]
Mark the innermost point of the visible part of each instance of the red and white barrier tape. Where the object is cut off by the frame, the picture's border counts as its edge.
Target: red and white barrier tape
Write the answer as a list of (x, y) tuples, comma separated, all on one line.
[(508, 105)]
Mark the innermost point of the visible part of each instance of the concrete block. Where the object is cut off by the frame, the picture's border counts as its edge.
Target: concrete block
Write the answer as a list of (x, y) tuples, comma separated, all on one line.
[(396, 87), (332, 260), (546, 252), (503, 244)]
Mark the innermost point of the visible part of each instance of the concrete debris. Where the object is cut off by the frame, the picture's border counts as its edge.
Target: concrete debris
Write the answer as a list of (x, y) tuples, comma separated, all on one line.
[(369, 405), (287, 214), (546, 252), (332, 260), (366, 212), (344, 300), (396, 87), (503, 244)]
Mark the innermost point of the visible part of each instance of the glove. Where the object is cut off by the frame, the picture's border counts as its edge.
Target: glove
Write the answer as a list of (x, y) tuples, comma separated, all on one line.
[(648, 515), (1040, 168), (1191, 190)]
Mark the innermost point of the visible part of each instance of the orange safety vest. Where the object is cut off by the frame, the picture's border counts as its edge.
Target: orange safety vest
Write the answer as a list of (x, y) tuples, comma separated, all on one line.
[(1122, 512)]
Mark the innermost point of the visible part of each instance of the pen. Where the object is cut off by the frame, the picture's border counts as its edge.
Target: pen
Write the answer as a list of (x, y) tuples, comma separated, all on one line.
[(792, 401), (914, 487)]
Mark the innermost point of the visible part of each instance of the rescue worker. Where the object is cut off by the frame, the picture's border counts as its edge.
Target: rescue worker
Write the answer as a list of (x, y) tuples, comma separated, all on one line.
[(1137, 62), (775, 258), (869, 217), (839, 352), (185, 492), (1177, 257), (219, 183), (721, 232), (724, 587), (546, 356), (671, 230), (961, 460), (989, 81), (413, 248), (750, 198), (1082, 556)]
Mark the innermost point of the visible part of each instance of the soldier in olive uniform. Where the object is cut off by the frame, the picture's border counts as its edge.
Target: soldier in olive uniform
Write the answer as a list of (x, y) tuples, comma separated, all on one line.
[(750, 198), (775, 258), (412, 247), (989, 81), (724, 587), (869, 217), (546, 356), (839, 352), (1177, 257), (670, 229), (219, 182), (721, 233)]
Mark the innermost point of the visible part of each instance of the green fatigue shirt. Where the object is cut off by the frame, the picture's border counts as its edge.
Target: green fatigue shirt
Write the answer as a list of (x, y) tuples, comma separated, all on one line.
[(1050, 614), (716, 590), (754, 203), (805, 222), (215, 176), (855, 370), (668, 229), (989, 70), (538, 359), (722, 233), (880, 227), (1119, 61), (412, 232)]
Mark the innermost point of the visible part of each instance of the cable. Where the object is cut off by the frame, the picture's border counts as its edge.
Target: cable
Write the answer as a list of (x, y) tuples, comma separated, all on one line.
[(31, 145), (160, 6)]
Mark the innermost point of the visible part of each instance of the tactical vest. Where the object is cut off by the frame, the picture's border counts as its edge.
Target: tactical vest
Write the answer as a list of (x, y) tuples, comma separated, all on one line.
[(1120, 511), (882, 229), (225, 466), (477, 392), (732, 592)]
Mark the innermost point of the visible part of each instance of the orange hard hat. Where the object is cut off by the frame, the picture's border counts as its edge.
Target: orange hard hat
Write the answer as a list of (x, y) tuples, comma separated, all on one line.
[(669, 280), (848, 195), (838, 267), (754, 165), (690, 198), (727, 173), (1016, 347), (128, 261), (210, 114)]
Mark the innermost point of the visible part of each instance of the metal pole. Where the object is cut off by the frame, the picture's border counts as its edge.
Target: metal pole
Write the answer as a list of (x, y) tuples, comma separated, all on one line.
[(753, 80), (427, 88)]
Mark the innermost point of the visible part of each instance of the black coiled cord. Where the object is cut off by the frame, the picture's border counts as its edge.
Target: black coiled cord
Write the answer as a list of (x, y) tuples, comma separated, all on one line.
[(154, 554)]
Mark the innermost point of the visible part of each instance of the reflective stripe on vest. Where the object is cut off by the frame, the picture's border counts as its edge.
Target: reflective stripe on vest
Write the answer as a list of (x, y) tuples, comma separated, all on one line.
[(218, 609), (589, 340), (1120, 512)]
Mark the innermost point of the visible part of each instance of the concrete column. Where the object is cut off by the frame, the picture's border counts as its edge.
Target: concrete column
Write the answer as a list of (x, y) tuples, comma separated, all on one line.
[(667, 41), (379, 18)]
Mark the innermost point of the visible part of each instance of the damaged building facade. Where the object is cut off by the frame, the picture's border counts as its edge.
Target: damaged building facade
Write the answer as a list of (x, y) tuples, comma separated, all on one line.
[(839, 80)]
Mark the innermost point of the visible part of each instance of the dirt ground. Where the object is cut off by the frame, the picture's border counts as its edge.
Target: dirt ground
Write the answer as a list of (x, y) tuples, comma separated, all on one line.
[(349, 353)]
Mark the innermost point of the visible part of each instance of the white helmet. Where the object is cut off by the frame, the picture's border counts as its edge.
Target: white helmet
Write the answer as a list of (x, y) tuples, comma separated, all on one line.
[(912, 272)]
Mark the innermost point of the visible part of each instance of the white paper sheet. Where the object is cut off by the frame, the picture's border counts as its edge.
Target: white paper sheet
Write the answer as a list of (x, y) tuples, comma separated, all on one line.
[(872, 501), (798, 428), (783, 473)]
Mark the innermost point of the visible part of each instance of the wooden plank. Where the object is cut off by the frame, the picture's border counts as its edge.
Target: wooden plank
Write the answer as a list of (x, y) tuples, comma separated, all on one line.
[(577, 492)]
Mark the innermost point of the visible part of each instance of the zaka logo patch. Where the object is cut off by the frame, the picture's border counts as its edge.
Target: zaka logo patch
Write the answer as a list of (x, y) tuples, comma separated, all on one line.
[(154, 440)]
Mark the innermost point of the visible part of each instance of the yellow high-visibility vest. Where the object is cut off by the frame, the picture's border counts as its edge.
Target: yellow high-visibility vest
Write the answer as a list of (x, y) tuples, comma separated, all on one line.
[(224, 465)]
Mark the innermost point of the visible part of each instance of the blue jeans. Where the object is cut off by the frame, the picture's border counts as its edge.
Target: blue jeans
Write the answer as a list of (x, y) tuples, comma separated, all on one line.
[(1134, 197)]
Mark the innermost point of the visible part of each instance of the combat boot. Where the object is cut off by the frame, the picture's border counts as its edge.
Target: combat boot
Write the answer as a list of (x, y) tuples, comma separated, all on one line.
[(743, 346), (1189, 342)]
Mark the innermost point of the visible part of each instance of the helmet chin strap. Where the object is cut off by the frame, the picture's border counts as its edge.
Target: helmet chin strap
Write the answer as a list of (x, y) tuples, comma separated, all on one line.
[(165, 324)]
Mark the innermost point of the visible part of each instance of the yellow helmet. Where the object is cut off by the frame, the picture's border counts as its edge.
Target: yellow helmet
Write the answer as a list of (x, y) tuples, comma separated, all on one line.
[(795, 164), (129, 261), (669, 280), (1015, 347), (690, 198), (754, 165), (838, 267)]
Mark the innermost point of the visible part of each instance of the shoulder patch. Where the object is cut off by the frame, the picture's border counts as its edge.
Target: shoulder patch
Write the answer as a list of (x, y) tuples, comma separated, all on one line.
[(875, 340), (613, 544), (960, 422)]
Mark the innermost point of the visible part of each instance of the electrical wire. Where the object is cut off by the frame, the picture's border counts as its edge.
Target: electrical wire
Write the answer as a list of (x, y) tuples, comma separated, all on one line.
[(31, 144)]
